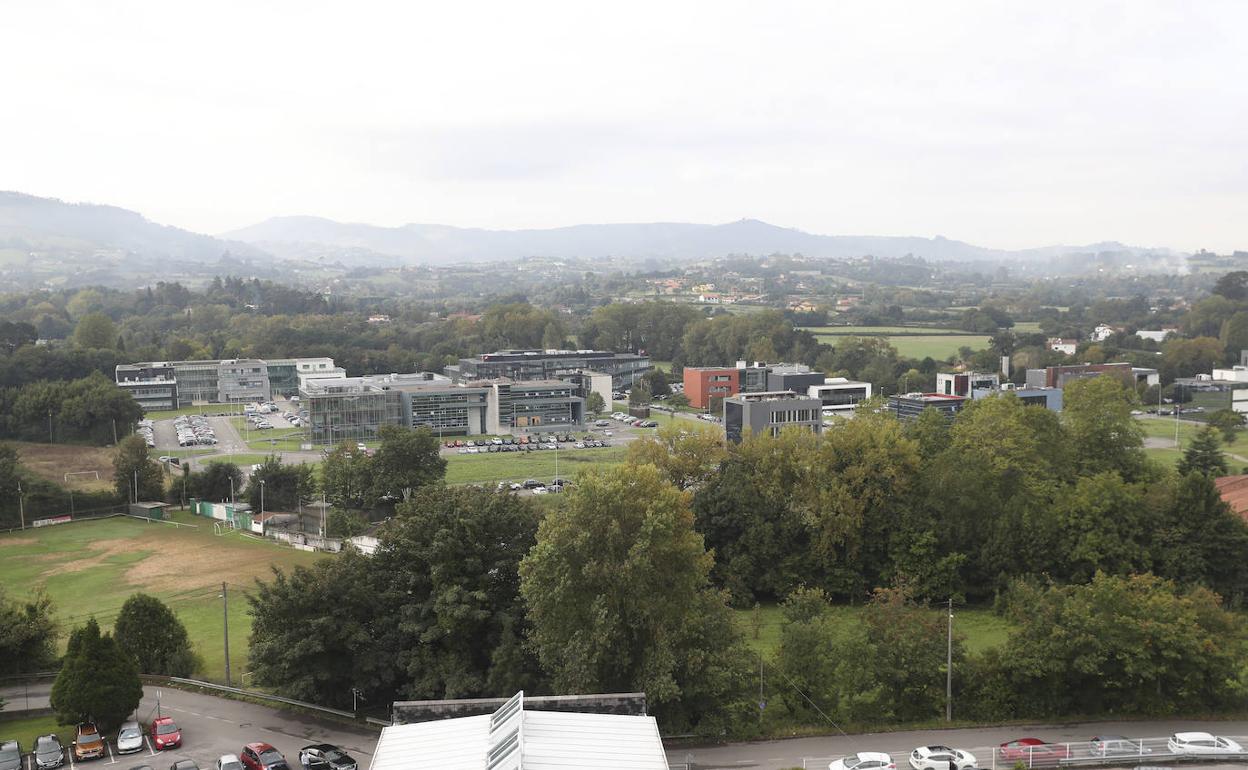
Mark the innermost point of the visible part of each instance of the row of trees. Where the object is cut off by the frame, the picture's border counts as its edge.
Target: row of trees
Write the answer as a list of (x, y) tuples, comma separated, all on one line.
[(91, 410)]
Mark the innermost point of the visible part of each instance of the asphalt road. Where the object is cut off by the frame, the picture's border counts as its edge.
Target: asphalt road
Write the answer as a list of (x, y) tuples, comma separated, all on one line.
[(213, 726)]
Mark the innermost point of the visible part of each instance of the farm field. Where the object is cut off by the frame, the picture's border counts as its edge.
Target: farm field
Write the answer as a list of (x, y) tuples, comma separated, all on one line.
[(910, 341), (90, 568), (518, 466), (980, 628), (52, 461)]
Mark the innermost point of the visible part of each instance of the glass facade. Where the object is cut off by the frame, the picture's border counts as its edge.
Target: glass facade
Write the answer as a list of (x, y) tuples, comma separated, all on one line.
[(351, 414)]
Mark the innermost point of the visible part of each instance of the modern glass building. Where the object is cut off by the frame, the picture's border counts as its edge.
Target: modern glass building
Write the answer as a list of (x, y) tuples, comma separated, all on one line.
[(524, 365)]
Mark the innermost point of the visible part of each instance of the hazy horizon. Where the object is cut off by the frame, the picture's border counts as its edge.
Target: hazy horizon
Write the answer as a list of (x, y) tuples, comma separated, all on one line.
[(1005, 127)]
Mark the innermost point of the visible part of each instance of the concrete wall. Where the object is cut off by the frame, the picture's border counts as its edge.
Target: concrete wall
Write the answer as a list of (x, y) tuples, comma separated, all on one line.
[(407, 712)]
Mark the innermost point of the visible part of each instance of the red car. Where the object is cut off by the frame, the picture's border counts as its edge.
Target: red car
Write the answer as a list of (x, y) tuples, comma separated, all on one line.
[(165, 734), (262, 756), (1034, 751)]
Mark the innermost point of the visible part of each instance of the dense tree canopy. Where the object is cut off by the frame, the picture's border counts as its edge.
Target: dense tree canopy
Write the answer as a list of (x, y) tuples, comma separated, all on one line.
[(148, 631), (97, 681)]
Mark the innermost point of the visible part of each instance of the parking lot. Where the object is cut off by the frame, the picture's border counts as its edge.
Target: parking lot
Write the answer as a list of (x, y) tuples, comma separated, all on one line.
[(212, 727)]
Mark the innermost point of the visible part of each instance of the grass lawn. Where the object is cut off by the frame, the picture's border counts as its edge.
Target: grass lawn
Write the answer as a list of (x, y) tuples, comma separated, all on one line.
[(979, 628), (53, 461), (518, 466), (1027, 327), (1162, 430), (25, 731), (90, 568), (883, 331), (290, 443), (916, 343), (206, 409)]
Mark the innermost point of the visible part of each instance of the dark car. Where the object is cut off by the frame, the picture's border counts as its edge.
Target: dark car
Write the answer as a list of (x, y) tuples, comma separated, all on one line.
[(10, 755), (48, 751), (262, 756), (184, 764), (142, 767), (532, 484), (325, 756)]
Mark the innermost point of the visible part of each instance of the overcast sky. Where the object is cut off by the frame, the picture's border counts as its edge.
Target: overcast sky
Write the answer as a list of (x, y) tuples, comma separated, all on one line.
[(1003, 124)]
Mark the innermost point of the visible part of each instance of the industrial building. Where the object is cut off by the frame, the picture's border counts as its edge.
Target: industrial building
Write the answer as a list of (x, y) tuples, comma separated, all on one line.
[(174, 384), (1058, 376), (534, 364), (1049, 398), (770, 412)]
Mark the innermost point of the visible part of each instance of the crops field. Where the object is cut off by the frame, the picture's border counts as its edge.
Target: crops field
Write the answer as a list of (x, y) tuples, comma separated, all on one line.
[(910, 341), (89, 568)]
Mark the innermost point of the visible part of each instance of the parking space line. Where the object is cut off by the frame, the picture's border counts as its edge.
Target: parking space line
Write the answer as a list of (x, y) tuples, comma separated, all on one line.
[(148, 743), (112, 760), (71, 758)]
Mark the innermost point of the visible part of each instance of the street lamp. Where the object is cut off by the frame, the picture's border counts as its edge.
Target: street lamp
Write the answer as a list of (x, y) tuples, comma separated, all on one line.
[(261, 497)]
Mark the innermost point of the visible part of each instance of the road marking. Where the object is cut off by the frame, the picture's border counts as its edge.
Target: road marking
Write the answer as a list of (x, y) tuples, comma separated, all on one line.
[(71, 758), (111, 759), (149, 745)]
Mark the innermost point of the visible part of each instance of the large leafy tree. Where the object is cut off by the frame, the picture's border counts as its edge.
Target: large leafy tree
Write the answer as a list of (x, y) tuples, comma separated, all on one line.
[(97, 680), (347, 477), (407, 460), (148, 631), (28, 634), (95, 330), (314, 632), (133, 464), (1096, 413), (1135, 644), (1106, 524), (1199, 539), (450, 560), (619, 599), (688, 457), (285, 486)]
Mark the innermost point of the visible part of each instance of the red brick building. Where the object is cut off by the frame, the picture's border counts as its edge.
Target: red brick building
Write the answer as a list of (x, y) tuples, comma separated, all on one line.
[(704, 383)]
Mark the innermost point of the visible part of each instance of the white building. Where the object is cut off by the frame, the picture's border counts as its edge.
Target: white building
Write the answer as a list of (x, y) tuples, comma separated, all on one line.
[(1156, 335), (513, 738), (1067, 346), (1103, 332), (839, 395)]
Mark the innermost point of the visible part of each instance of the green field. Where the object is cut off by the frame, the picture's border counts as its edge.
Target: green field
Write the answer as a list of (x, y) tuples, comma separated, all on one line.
[(980, 628), (1162, 430), (90, 568), (518, 466), (241, 460), (25, 731), (206, 409), (884, 331)]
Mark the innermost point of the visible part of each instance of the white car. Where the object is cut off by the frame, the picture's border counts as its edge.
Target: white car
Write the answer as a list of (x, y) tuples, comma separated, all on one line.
[(130, 738), (229, 762), (1202, 743), (864, 760), (939, 757)]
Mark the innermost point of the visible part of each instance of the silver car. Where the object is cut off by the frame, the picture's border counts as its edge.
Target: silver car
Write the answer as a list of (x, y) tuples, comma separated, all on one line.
[(129, 738)]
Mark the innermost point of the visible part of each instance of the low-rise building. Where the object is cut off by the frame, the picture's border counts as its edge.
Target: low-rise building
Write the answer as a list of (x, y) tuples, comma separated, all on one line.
[(840, 396), (770, 412), (1058, 376), (219, 381), (534, 364), (1064, 345), (1156, 335), (153, 386), (1049, 398), (908, 406), (964, 383)]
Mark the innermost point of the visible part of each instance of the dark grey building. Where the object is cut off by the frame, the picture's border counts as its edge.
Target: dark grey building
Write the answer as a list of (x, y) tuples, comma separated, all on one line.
[(770, 412), (795, 377), (523, 365), (908, 406)]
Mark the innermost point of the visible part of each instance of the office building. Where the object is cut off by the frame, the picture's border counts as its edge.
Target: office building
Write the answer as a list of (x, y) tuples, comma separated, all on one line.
[(1049, 398), (840, 396), (794, 377), (523, 365), (220, 381), (353, 408), (908, 406), (770, 412), (703, 383), (964, 383)]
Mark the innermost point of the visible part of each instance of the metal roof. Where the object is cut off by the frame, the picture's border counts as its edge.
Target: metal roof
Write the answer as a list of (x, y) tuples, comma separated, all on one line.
[(513, 738)]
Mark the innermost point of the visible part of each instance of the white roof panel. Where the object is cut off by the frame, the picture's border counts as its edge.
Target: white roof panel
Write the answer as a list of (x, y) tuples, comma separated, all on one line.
[(551, 740)]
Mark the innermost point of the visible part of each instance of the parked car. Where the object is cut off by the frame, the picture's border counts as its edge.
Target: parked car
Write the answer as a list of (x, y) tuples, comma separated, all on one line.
[(88, 743), (142, 767), (541, 491), (1117, 745), (864, 760), (1034, 750), (228, 762), (165, 734), (262, 756), (1202, 743), (532, 484), (48, 751), (325, 756), (129, 738), (10, 755), (939, 757), (184, 764)]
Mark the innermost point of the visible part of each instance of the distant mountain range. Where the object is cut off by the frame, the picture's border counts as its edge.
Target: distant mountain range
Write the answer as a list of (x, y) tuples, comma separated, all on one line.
[(113, 240), (301, 237)]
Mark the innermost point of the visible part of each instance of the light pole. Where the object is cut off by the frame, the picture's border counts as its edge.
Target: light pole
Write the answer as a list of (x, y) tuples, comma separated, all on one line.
[(261, 497), (949, 668), (21, 504)]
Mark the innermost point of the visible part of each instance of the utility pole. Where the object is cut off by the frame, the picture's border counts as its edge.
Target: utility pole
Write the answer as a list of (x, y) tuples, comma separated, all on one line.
[(136, 485), (114, 431), (50, 441), (261, 497), (949, 668), (21, 504), (225, 604)]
